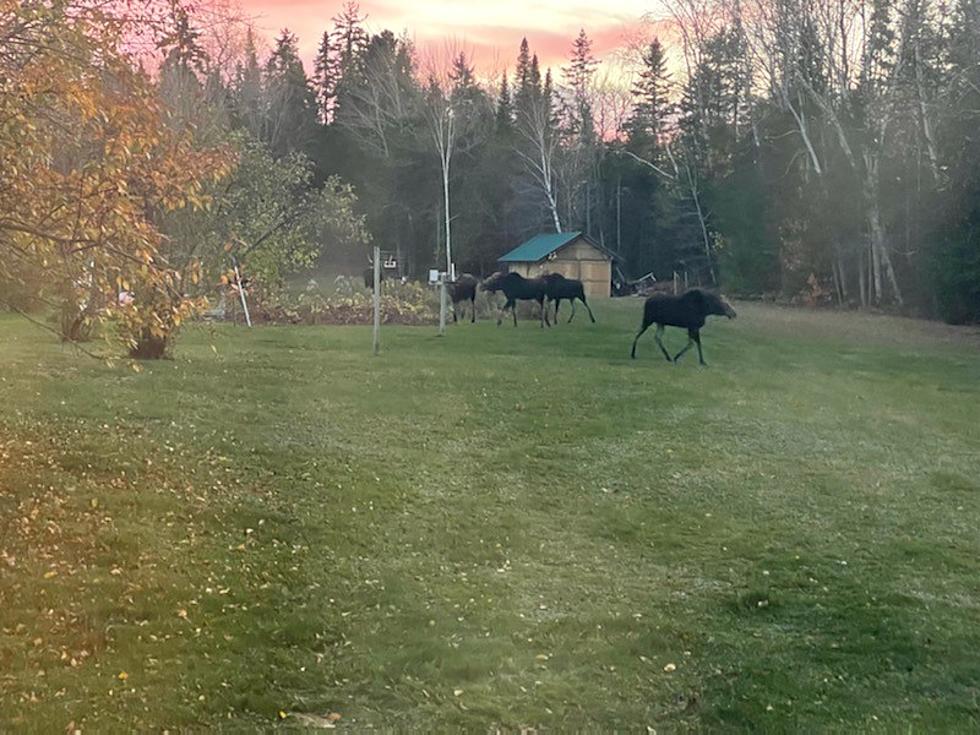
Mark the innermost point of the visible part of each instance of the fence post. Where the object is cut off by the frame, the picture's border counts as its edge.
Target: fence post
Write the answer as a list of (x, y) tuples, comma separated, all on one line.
[(241, 292), (377, 299), (442, 305)]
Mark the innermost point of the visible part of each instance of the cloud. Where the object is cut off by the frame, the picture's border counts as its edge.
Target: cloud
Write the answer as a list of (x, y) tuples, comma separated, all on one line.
[(491, 30)]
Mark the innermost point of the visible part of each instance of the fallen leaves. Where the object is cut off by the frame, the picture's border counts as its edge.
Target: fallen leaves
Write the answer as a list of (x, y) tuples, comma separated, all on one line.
[(316, 722)]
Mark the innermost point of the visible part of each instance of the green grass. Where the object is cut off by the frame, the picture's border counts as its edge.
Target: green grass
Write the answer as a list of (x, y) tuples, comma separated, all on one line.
[(497, 529)]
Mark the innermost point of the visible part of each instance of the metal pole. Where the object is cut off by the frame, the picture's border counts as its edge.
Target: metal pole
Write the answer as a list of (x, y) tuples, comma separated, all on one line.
[(377, 299), (442, 305), (241, 292)]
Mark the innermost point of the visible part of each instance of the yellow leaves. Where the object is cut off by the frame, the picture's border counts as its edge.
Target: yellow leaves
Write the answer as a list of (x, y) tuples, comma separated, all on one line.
[(670, 668), (90, 161), (51, 574), (122, 676)]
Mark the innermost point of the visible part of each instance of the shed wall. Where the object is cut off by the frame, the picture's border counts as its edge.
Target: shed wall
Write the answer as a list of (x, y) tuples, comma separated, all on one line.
[(578, 260)]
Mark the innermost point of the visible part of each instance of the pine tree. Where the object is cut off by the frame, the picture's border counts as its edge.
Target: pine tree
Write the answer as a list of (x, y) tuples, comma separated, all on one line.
[(462, 76), (348, 44), (535, 77), (247, 110), (181, 45), (581, 67), (522, 77), (505, 107), (290, 101), (325, 74), (651, 98)]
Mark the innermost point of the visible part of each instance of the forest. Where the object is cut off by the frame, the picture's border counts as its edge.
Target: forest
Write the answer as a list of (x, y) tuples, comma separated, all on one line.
[(818, 151)]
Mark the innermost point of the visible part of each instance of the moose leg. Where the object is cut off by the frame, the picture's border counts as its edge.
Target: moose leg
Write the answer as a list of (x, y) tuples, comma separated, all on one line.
[(591, 316), (690, 342), (473, 310), (454, 312), (513, 309), (501, 310), (657, 335), (573, 311), (637, 338), (696, 336), (557, 306)]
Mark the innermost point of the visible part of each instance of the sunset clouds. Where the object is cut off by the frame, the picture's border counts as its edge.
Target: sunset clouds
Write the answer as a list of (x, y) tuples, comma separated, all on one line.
[(491, 31)]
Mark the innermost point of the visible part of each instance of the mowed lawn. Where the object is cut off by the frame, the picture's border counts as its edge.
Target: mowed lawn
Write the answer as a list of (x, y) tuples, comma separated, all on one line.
[(499, 529)]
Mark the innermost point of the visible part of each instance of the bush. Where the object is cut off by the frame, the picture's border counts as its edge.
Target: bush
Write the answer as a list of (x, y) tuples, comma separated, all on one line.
[(401, 303), (957, 278)]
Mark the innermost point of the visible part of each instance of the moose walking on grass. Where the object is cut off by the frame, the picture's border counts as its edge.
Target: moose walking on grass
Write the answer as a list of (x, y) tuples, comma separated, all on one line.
[(557, 287), (464, 289), (688, 311), (517, 288)]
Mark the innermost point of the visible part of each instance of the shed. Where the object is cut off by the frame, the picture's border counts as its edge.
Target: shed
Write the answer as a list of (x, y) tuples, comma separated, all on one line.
[(573, 254)]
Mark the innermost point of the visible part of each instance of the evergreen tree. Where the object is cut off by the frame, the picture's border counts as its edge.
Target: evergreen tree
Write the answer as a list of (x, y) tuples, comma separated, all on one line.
[(348, 44), (325, 78), (247, 99), (581, 67), (505, 108), (290, 121), (651, 106), (522, 79)]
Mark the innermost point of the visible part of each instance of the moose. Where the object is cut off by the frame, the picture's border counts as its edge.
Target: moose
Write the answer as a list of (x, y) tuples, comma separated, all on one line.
[(688, 311), (369, 277), (557, 287), (517, 288), (464, 289)]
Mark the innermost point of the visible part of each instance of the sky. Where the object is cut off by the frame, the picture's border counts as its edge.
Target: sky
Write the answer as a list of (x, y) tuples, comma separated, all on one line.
[(490, 31)]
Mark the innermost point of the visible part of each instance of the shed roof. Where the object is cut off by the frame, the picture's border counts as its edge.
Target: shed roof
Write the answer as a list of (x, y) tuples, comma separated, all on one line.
[(541, 246)]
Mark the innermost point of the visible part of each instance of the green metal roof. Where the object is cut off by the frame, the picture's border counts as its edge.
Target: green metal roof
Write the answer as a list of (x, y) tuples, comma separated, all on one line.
[(539, 247)]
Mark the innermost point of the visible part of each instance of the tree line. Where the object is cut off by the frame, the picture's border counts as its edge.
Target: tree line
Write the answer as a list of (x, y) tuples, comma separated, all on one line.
[(814, 149)]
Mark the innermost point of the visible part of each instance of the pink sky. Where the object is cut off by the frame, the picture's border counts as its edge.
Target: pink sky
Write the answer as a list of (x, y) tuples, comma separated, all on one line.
[(491, 31)]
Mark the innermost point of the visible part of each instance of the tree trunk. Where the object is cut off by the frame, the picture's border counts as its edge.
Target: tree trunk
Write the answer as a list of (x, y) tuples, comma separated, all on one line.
[(862, 280), (843, 277), (445, 193), (836, 280), (881, 259)]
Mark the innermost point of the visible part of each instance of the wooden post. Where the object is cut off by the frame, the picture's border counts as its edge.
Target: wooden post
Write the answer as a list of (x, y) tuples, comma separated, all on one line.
[(377, 299), (675, 283), (241, 292), (442, 304)]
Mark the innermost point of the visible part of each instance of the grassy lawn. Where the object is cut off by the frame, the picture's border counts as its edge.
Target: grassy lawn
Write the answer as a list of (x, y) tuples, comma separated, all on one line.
[(503, 528)]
